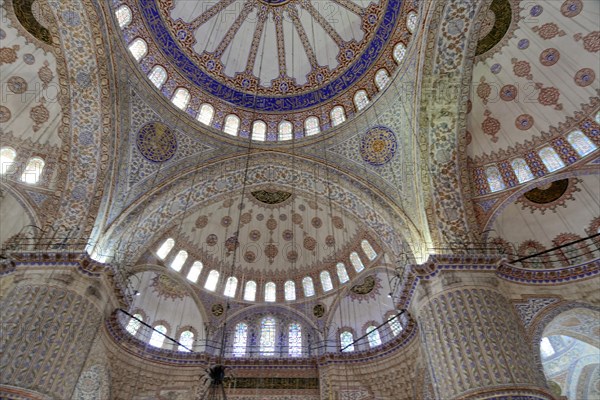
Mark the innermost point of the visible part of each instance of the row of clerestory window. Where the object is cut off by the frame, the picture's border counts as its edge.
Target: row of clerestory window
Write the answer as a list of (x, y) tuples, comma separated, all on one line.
[(270, 288), (32, 172)]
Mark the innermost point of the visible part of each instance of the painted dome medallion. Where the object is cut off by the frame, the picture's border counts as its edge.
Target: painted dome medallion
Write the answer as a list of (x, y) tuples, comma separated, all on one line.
[(271, 70)]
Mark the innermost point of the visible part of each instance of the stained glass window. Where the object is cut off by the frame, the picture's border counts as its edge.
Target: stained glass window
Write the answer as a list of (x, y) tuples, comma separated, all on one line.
[(158, 336), (361, 100), (338, 115), (158, 76), (138, 49), (212, 280), (395, 325), (290, 290), (270, 292), (240, 339), (232, 125), (546, 347), (194, 272), (311, 126), (382, 78), (295, 340), (342, 273), (267, 336), (186, 339), (230, 286), (181, 98), (307, 285), (411, 21), (550, 159), (179, 260), (165, 248), (326, 281), (598, 117), (356, 262), (522, 170), (581, 143), (259, 130), (133, 325), (123, 14), (7, 159), (494, 178), (346, 341), (250, 291), (373, 336), (399, 52), (33, 170), (368, 249), (206, 114), (285, 130)]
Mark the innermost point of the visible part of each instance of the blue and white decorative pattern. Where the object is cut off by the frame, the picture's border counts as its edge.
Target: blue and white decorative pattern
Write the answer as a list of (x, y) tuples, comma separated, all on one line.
[(378, 146), (157, 142)]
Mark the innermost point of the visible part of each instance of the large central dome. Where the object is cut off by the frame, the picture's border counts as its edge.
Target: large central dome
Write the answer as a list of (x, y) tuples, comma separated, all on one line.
[(282, 48), (269, 61)]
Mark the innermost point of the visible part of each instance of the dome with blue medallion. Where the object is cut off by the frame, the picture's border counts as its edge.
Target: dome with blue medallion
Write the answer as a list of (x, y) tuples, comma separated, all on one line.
[(270, 70)]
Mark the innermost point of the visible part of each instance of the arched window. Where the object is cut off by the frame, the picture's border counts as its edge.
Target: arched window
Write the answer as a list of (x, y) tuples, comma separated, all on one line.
[(411, 21), (373, 336), (267, 336), (186, 340), (522, 170), (368, 249), (165, 248), (346, 341), (134, 325), (230, 286), (259, 131), (158, 76), (295, 340), (361, 100), (138, 49), (399, 52), (232, 125), (342, 273), (581, 143), (382, 78), (394, 324), (250, 291), (181, 98), (550, 159), (290, 290), (285, 130), (158, 336), (546, 347), (326, 281), (206, 114), (33, 170), (240, 339), (194, 272), (212, 280), (494, 178), (337, 115), (7, 159), (270, 292), (309, 288), (356, 262), (123, 14), (179, 260), (312, 126)]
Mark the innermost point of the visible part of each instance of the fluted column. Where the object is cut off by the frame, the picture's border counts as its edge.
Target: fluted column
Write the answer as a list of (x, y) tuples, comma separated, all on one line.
[(50, 318), (473, 341)]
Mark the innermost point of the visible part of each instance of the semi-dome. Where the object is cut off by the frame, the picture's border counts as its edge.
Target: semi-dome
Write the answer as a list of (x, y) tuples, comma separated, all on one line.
[(269, 70)]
